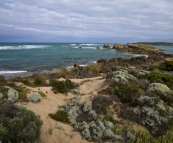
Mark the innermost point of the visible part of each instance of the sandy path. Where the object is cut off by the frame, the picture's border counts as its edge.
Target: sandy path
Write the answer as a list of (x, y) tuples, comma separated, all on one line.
[(88, 89), (50, 105)]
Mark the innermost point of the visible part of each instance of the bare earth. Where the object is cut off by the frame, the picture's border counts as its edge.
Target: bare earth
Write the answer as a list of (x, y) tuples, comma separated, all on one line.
[(88, 88)]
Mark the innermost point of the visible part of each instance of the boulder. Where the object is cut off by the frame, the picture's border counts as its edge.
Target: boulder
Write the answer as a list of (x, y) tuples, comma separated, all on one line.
[(117, 46), (12, 94), (106, 46), (80, 47), (97, 48), (76, 65), (35, 97)]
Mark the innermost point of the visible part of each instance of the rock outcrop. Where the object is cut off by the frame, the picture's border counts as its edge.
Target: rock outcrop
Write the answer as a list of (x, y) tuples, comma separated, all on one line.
[(106, 46)]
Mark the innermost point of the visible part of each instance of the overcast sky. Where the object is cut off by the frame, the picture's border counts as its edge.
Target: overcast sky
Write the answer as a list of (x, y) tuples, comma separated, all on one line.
[(86, 20)]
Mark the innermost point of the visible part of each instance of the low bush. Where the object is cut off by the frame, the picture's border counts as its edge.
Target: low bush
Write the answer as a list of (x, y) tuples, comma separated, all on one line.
[(125, 92), (2, 81), (62, 86), (101, 104), (22, 80), (23, 91), (167, 66), (42, 94), (158, 77), (18, 125), (61, 116), (40, 80)]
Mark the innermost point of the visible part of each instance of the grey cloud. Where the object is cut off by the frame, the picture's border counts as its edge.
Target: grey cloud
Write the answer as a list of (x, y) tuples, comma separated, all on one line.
[(88, 19)]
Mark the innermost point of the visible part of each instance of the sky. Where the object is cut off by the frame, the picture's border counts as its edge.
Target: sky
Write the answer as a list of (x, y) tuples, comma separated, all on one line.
[(94, 21)]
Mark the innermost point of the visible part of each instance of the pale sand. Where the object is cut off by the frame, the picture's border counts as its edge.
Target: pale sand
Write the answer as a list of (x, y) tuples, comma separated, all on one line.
[(88, 88)]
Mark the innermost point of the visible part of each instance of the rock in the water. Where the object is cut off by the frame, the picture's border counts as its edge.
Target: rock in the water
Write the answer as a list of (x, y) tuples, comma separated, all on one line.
[(117, 46), (12, 94), (35, 97), (76, 65), (97, 48), (106, 46), (80, 47)]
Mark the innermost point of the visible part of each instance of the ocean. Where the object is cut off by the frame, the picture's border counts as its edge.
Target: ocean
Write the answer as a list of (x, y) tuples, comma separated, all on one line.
[(36, 57)]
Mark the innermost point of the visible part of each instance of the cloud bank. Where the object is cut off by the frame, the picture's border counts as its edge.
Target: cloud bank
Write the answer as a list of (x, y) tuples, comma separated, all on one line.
[(86, 21)]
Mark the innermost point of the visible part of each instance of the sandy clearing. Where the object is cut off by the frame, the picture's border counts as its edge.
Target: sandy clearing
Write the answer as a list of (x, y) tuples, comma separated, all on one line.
[(88, 88)]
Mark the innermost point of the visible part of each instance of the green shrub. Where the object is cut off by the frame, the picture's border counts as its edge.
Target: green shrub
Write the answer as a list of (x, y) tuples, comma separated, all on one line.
[(22, 80), (39, 81), (42, 94), (161, 78), (167, 66), (125, 92), (61, 116), (2, 81), (101, 103), (18, 125), (23, 91), (62, 86), (134, 72), (146, 137)]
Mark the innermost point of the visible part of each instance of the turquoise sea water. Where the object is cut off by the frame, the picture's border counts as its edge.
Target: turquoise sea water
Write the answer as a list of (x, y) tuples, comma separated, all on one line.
[(22, 57)]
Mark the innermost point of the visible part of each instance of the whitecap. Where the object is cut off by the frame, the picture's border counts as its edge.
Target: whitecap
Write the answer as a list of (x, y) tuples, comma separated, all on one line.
[(11, 72), (22, 47), (138, 55), (88, 44)]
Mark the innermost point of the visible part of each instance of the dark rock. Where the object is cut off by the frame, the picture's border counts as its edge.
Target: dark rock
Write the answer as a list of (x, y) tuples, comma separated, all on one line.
[(76, 65), (80, 47), (97, 48), (106, 46)]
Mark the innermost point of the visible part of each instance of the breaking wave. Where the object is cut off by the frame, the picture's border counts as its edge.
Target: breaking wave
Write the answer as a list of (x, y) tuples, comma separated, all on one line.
[(22, 47)]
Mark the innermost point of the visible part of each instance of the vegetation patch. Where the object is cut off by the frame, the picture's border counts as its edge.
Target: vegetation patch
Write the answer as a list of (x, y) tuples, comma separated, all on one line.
[(22, 80), (62, 86), (158, 77), (2, 81), (101, 103), (61, 116), (126, 92), (18, 124), (167, 66), (42, 94), (40, 80)]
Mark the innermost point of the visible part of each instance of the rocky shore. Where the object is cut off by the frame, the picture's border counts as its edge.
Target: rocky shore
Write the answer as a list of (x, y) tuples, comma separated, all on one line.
[(115, 100)]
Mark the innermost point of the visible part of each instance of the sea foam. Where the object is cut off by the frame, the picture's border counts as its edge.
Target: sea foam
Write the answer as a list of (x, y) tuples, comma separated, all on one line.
[(22, 47), (11, 72)]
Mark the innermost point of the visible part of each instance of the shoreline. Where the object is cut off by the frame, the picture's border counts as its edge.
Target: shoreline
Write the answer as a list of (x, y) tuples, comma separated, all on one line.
[(111, 94)]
